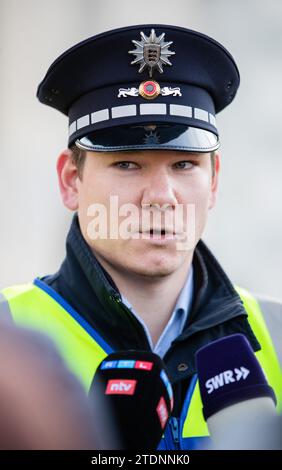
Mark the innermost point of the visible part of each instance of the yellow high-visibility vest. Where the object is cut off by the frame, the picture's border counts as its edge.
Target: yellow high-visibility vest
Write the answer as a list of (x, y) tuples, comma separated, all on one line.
[(39, 307)]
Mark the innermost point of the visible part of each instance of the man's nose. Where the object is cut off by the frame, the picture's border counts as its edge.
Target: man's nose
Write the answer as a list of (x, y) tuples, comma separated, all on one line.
[(159, 191)]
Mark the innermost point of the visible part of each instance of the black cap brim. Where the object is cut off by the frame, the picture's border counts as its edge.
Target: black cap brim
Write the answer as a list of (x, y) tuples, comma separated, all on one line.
[(150, 136)]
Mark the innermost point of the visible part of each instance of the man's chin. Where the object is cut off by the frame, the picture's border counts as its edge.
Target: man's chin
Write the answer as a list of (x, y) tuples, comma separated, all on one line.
[(153, 270)]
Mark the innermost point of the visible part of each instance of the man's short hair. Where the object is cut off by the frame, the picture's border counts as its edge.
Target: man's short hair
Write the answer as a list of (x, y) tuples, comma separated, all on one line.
[(78, 157)]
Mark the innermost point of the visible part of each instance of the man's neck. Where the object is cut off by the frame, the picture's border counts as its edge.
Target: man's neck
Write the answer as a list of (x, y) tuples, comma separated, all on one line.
[(153, 299)]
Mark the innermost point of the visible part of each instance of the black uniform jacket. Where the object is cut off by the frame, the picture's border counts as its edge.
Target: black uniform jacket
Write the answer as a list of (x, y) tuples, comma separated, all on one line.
[(216, 311)]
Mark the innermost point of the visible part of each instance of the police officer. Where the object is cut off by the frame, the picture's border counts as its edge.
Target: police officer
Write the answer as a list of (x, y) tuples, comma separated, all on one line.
[(142, 104)]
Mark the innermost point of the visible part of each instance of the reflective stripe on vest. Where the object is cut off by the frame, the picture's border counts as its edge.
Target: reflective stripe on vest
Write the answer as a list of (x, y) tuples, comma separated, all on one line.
[(39, 307), (194, 424)]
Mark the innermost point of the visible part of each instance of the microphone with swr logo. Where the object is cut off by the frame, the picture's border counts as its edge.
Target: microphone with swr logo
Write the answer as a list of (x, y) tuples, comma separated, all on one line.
[(238, 403), (138, 397)]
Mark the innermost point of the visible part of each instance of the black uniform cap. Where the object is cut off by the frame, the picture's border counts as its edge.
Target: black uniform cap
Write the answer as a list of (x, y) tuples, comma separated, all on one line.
[(140, 87)]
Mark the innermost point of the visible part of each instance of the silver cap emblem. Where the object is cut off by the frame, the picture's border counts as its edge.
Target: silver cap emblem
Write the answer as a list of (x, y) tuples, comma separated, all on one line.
[(151, 52)]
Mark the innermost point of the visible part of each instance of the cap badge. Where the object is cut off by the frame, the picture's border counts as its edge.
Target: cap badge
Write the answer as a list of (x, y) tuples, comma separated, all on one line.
[(149, 90), (151, 52)]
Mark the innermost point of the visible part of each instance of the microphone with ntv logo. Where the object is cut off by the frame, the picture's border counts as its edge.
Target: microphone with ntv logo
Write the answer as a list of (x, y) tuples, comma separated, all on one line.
[(238, 403), (137, 395)]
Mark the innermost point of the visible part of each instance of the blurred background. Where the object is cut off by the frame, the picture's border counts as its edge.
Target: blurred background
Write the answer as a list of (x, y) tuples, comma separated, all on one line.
[(244, 230)]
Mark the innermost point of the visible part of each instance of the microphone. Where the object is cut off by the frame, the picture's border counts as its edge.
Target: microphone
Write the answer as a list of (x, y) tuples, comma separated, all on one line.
[(137, 394), (238, 403)]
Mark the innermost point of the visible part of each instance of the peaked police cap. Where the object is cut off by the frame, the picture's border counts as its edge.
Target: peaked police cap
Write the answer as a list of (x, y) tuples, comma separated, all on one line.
[(142, 87)]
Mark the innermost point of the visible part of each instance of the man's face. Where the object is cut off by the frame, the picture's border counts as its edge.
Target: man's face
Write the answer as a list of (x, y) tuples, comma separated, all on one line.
[(166, 179)]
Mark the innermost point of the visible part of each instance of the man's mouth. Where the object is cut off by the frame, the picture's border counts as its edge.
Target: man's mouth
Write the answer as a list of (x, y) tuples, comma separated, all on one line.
[(158, 233)]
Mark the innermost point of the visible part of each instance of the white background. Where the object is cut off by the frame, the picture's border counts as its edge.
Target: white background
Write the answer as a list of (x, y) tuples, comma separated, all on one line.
[(245, 229)]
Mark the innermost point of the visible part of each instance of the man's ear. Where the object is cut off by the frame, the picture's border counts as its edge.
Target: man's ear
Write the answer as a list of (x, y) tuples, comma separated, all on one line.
[(214, 180), (68, 177)]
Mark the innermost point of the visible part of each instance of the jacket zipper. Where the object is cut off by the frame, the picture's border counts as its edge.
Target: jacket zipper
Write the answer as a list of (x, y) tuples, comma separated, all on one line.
[(174, 428)]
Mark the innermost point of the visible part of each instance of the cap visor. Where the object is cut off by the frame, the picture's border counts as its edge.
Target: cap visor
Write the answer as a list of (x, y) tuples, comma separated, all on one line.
[(150, 136)]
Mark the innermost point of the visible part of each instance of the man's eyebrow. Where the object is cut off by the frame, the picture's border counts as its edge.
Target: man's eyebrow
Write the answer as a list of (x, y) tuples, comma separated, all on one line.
[(194, 155), (121, 158), (188, 156)]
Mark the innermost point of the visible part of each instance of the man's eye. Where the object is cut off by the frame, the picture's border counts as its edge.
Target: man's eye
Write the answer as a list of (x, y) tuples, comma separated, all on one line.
[(126, 165), (184, 165)]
